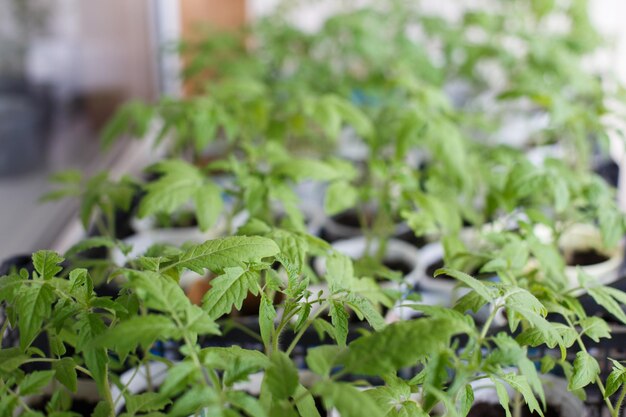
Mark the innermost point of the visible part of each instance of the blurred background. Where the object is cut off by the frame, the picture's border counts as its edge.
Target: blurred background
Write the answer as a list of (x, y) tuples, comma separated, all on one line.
[(66, 65)]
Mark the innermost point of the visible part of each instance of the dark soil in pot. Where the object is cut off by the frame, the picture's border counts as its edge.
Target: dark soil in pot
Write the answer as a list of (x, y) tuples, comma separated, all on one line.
[(399, 266), (15, 263), (496, 410), (409, 236), (178, 220), (350, 219), (609, 171), (586, 257), (369, 267)]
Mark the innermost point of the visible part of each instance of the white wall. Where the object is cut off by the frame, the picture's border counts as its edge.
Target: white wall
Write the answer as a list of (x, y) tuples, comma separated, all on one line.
[(97, 45), (608, 18)]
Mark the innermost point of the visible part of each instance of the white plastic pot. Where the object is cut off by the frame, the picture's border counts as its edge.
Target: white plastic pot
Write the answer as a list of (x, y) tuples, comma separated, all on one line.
[(444, 291), (397, 250), (177, 234), (335, 230), (401, 311), (136, 381), (311, 194), (429, 255), (581, 237), (313, 218), (147, 234)]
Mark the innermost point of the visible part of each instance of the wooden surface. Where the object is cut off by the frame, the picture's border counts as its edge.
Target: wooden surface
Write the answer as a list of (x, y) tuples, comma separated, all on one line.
[(217, 14), (223, 14)]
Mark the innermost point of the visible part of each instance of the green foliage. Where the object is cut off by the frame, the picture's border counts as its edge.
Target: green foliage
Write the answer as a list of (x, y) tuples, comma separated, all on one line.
[(274, 115), (179, 183), (396, 346)]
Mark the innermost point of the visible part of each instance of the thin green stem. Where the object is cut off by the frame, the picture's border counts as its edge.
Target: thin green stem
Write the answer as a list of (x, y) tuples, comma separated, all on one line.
[(598, 381), (125, 388), (111, 221), (487, 324), (3, 330), (108, 397), (286, 318), (517, 404), (620, 400), (49, 360), (304, 328)]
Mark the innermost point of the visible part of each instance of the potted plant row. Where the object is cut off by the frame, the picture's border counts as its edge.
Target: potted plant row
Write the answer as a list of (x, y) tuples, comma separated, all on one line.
[(221, 283)]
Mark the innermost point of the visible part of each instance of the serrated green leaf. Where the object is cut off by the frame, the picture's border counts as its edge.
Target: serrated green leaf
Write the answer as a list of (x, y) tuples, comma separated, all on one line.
[(138, 331), (216, 255), (339, 319), (209, 205), (35, 381), (267, 315), (247, 403), (616, 379), (603, 296), (65, 373), (322, 359), (303, 168), (520, 384), (503, 396), (175, 377), (398, 345), (11, 359), (90, 243), (472, 301), (483, 290), (89, 327), (595, 328), (199, 323), (364, 308), (466, 400), (281, 377), (193, 401), (47, 263), (293, 250), (102, 409), (462, 322), (339, 272), (303, 315), (33, 306), (158, 292), (305, 404), (349, 401), (394, 398), (178, 183), (547, 364), (81, 285), (340, 196), (146, 402), (228, 290), (227, 358), (586, 369)]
